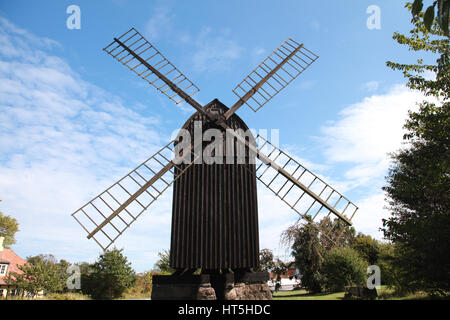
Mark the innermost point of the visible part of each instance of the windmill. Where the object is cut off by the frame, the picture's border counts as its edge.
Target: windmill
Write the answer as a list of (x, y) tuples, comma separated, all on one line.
[(214, 212)]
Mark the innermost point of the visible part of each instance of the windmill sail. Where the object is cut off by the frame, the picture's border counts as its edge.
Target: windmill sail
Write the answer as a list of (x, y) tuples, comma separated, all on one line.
[(303, 191), (278, 70), (140, 56), (107, 216)]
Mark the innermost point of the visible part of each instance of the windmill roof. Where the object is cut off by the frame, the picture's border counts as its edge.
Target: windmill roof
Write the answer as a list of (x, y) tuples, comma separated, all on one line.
[(7, 256)]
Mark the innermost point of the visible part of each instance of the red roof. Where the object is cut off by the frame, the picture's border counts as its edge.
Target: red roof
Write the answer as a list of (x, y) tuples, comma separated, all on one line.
[(8, 256), (290, 273)]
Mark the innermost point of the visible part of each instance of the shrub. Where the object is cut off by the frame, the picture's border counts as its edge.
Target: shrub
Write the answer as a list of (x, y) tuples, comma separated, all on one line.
[(343, 267), (109, 277)]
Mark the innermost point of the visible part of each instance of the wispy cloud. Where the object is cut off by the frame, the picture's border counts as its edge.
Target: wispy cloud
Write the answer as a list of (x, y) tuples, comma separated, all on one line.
[(360, 142), (160, 22), (215, 51), (63, 140), (210, 49), (371, 86)]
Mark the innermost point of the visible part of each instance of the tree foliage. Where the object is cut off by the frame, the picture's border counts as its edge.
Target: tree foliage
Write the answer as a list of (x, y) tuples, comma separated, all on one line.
[(8, 228), (308, 253), (343, 267), (418, 182), (40, 273), (109, 277), (431, 44), (163, 263), (367, 247), (442, 9), (266, 260), (335, 233), (142, 285)]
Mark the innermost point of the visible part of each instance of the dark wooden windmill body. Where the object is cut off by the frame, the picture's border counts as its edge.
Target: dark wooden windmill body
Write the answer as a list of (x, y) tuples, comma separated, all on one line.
[(215, 209)]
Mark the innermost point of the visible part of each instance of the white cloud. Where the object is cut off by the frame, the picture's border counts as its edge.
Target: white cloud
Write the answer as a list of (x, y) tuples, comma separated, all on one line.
[(371, 212), (371, 86), (159, 23), (368, 130), (359, 143), (214, 51), (211, 49), (63, 141)]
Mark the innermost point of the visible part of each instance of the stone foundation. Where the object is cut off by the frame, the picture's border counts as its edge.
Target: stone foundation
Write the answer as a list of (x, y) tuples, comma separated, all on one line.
[(246, 286), (254, 291)]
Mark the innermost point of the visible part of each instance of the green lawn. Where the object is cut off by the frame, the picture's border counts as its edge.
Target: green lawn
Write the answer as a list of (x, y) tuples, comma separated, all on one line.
[(304, 295), (384, 293)]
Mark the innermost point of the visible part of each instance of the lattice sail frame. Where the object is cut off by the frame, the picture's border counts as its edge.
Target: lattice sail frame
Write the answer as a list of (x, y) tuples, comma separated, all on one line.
[(98, 210), (300, 60), (144, 49), (296, 198)]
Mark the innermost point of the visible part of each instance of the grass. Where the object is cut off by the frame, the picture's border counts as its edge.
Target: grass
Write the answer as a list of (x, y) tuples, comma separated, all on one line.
[(384, 293), (54, 296), (305, 295)]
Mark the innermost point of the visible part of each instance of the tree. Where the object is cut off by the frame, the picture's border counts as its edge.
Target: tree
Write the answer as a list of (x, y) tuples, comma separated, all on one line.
[(8, 228), (442, 8), (109, 277), (367, 247), (418, 181), (308, 253), (142, 286), (40, 273), (429, 44), (335, 233), (343, 267), (163, 264), (266, 263), (386, 258)]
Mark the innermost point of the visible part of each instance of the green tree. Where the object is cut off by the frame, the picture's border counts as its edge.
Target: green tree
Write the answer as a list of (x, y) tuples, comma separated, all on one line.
[(109, 277), (142, 286), (335, 233), (308, 252), (163, 264), (442, 9), (266, 263), (431, 45), (40, 273), (29, 281), (418, 182), (367, 247), (343, 267), (386, 259), (8, 228)]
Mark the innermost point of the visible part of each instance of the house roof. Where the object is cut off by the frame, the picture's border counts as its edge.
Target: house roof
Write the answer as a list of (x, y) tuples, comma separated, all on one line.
[(289, 274), (10, 257)]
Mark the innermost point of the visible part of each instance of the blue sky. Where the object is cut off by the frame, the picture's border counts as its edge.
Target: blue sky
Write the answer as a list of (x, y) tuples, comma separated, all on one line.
[(73, 120)]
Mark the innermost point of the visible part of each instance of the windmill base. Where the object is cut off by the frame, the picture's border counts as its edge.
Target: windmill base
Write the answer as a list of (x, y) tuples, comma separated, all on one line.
[(245, 286)]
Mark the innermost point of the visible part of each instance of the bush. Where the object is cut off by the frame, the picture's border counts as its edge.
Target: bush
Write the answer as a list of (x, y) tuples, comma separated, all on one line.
[(66, 296), (143, 285), (343, 267), (109, 277)]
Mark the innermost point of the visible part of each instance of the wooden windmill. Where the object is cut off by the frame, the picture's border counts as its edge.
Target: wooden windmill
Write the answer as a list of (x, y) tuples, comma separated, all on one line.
[(215, 212)]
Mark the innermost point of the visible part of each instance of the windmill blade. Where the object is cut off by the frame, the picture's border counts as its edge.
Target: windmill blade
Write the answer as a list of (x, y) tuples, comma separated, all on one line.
[(140, 56), (303, 191), (278, 70), (107, 216)]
